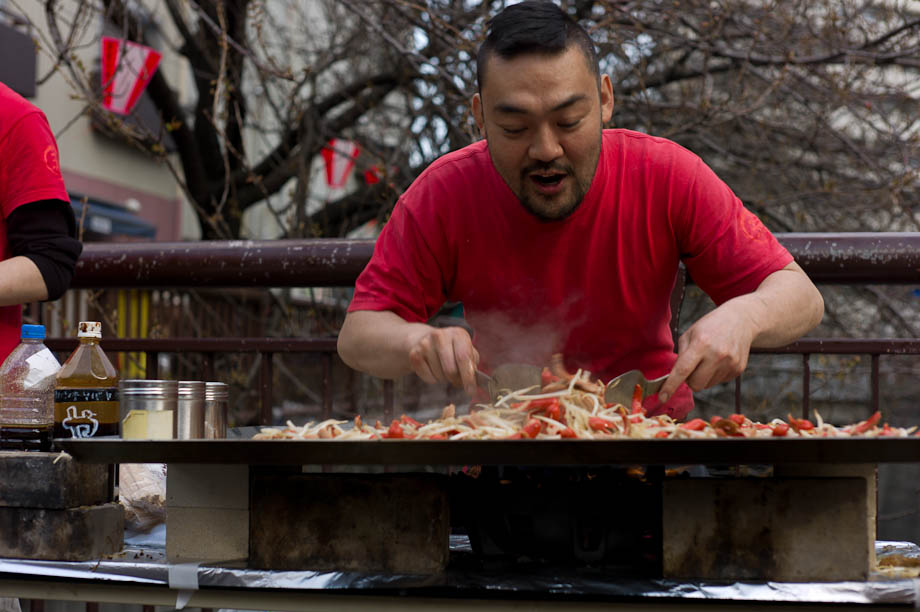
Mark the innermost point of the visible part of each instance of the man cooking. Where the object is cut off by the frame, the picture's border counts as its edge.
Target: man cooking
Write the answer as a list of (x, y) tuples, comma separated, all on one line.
[(559, 236)]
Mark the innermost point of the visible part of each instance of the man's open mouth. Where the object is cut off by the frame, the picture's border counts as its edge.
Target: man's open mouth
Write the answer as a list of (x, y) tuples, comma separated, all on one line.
[(548, 180)]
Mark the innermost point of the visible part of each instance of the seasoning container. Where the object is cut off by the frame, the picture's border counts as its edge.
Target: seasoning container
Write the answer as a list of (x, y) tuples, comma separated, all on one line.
[(190, 410), (148, 409), (216, 407), (86, 390)]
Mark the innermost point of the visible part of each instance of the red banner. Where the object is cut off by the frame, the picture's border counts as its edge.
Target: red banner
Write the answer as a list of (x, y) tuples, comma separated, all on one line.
[(127, 68)]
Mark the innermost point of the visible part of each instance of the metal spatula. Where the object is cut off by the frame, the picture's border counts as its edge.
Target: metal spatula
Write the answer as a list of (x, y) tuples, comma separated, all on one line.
[(620, 389), (509, 377)]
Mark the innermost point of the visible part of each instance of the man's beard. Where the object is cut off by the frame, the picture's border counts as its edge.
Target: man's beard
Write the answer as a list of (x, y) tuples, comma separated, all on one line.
[(578, 192), (562, 209)]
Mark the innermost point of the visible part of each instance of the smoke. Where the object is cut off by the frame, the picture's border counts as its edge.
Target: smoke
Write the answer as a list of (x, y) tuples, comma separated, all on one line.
[(530, 335)]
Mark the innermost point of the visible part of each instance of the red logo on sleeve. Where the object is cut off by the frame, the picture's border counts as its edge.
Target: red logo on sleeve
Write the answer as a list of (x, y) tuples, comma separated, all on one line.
[(752, 226), (51, 160)]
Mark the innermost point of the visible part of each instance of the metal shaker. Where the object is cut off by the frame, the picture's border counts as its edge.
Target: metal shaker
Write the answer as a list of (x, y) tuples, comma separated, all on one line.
[(148, 409), (190, 410), (216, 406)]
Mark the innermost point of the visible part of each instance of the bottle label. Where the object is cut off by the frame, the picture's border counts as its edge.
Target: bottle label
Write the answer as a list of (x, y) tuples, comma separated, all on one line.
[(86, 395), (84, 413), (41, 365)]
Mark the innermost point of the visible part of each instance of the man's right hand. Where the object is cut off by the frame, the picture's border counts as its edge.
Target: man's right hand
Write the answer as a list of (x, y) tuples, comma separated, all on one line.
[(385, 345), (445, 355)]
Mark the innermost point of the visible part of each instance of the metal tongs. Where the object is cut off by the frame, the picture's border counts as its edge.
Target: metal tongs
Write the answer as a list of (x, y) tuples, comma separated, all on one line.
[(620, 389)]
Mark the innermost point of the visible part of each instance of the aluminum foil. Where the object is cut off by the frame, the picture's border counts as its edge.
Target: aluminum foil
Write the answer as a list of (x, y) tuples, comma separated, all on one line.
[(144, 562)]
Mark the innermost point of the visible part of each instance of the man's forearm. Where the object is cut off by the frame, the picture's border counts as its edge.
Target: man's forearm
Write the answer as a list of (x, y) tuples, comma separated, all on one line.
[(378, 343), (21, 282), (787, 306)]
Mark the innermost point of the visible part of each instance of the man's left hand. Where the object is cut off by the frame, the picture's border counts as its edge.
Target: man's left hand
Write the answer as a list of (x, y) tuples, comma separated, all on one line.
[(713, 350)]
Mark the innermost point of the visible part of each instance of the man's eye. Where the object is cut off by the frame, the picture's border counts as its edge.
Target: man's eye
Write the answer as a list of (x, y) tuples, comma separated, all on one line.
[(569, 124), (512, 131)]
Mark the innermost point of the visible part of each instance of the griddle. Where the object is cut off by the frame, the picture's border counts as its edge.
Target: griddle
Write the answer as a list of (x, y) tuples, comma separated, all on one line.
[(719, 451)]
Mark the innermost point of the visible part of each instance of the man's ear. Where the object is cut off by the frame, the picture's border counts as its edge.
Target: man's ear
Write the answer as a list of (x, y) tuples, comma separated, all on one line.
[(476, 104), (606, 99)]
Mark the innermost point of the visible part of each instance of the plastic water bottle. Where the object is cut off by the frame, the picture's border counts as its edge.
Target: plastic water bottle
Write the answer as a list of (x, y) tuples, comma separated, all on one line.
[(27, 379)]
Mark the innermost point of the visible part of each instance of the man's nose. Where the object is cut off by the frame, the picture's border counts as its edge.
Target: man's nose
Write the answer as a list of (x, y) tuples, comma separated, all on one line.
[(545, 145)]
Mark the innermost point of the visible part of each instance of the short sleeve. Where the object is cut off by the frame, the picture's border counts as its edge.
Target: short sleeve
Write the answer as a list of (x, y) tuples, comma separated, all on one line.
[(727, 250), (31, 169), (404, 274)]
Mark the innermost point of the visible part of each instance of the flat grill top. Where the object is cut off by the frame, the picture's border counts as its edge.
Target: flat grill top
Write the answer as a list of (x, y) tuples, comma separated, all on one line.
[(721, 451)]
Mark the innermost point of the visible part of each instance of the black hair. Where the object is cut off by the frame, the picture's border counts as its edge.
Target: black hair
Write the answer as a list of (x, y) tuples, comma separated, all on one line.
[(533, 26)]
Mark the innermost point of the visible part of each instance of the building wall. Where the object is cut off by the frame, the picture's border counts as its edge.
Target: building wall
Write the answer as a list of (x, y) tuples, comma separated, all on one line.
[(96, 165)]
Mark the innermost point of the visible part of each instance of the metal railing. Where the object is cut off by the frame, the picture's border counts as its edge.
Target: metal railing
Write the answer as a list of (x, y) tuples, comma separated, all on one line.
[(851, 258)]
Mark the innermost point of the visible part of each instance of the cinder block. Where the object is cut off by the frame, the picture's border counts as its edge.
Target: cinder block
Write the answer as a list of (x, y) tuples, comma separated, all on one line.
[(798, 530), (207, 512), (190, 485), (396, 523), (51, 480), (866, 471), (206, 534), (73, 534)]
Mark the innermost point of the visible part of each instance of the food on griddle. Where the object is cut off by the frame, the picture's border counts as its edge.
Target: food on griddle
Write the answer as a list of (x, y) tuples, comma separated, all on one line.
[(572, 406)]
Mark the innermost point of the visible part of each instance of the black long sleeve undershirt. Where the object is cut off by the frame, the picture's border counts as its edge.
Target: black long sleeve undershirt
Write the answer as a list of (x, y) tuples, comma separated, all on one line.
[(45, 232)]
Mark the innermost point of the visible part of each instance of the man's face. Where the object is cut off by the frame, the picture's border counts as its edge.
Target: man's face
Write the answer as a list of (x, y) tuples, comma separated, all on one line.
[(542, 117)]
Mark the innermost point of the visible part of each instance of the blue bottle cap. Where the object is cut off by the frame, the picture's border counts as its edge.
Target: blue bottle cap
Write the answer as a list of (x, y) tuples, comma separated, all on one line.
[(33, 331)]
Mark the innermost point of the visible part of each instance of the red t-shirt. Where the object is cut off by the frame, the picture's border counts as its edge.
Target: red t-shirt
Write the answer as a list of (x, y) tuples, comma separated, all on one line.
[(594, 286), (30, 171)]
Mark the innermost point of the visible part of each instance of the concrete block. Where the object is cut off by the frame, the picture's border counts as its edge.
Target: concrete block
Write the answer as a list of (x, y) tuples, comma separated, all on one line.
[(798, 530), (866, 471), (73, 534), (207, 512), (206, 534), (51, 480), (396, 523), (207, 486)]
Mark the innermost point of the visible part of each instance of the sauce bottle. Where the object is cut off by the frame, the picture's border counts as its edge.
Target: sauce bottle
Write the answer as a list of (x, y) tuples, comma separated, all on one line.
[(86, 395), (27, 378)]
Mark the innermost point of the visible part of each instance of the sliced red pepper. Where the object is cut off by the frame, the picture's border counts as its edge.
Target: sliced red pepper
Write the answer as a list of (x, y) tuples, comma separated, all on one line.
[(547, 377), (637, 400), (868, 424), (437, 437), (599, 424), (740, 419), (554, 410), (532, 428), (568, 432), (780, 429), (800, 424), (662, 434), (395, 430), (406, 419), (715, 419), (694, 425), (515, 436)]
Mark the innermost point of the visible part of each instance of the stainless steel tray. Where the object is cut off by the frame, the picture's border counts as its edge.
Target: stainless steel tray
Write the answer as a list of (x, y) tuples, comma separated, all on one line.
[(723, 451)]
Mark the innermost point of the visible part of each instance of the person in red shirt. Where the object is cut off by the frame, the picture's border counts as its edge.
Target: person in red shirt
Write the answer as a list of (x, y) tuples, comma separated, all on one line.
[(38, 247), (559, 236)]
